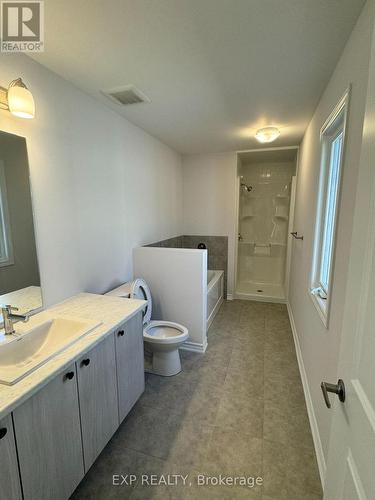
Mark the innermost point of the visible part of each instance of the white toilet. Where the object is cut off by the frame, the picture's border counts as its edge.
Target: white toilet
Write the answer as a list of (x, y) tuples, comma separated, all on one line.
[(163, 338)]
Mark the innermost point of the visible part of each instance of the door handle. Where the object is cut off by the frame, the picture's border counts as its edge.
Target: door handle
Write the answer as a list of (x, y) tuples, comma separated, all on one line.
[(338, 389)]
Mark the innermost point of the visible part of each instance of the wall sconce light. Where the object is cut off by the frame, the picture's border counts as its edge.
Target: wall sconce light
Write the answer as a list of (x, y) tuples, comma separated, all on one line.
[(18, 99)]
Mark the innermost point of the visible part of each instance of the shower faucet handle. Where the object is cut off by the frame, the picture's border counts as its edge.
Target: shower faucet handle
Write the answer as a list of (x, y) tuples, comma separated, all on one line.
[(295, 235)]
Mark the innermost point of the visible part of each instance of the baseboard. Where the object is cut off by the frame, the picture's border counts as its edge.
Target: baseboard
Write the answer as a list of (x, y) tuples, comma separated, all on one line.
[(194, 346), (229, 296), (310, 408)]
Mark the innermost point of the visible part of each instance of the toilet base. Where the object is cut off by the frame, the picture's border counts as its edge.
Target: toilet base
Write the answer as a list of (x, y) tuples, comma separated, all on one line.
[(166, 363)]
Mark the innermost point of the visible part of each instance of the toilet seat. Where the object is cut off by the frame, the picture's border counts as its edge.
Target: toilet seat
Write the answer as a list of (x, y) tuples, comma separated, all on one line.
[(137, 289), (161, 332), (166, 332), (140, 290)]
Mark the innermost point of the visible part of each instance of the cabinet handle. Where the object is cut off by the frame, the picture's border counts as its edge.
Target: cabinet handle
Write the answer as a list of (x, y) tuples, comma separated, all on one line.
[(3, 432), (121, 333), (69, 375), (85, 362)]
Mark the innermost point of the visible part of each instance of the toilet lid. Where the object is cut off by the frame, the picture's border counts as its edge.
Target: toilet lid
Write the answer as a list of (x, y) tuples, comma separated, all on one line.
[(140, 290)]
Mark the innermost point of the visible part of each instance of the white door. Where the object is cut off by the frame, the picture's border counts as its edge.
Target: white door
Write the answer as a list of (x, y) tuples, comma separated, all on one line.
[(351, 458)]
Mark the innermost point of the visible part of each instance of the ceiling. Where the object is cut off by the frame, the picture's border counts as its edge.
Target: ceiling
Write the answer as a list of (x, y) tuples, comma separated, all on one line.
[(215, 70)]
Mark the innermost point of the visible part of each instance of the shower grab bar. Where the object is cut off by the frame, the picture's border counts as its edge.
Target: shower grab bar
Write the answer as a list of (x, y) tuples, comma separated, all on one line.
[(295, 235)]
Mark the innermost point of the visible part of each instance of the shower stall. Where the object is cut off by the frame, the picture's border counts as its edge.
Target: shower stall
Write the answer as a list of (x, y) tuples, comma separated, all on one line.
[(266, 188)]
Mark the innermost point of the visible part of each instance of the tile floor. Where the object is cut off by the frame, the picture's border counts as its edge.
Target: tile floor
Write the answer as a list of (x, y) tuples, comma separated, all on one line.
[(238, 410)]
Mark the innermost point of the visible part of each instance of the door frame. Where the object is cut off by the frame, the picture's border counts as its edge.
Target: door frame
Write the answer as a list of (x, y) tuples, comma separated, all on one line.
[(289, 245), (236, 225)]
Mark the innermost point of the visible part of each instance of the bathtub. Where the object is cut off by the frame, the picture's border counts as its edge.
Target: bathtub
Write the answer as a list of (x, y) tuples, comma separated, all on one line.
[(215, 293)]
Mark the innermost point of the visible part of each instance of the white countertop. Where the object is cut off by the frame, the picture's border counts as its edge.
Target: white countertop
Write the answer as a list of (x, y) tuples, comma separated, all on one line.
[(110, 311)]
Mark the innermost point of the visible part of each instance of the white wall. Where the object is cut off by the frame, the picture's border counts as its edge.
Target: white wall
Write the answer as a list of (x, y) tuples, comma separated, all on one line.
[(101, 186), (320, 346), (209, 208)]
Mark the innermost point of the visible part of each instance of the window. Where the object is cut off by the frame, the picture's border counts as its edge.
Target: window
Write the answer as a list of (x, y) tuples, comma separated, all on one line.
[(6, 248), (332, 138)]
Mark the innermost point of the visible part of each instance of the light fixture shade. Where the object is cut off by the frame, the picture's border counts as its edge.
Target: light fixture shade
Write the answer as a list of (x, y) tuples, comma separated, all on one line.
[(21, 102), (267, 134)]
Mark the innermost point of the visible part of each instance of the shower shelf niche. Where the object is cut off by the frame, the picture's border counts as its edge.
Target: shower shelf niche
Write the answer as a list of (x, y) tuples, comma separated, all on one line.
[(282, 217), (281, 212)]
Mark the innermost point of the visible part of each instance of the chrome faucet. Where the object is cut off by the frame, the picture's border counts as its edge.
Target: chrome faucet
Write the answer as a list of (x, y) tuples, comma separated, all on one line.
[(9, 317)]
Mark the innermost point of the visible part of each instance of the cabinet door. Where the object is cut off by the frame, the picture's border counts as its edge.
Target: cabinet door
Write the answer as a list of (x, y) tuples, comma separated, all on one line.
[(130, 365), (48, 434), (9, 475), (97, 388)]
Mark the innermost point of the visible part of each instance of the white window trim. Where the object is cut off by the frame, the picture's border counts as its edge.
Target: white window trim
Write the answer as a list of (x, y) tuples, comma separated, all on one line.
[(323, 306), (6, 219)]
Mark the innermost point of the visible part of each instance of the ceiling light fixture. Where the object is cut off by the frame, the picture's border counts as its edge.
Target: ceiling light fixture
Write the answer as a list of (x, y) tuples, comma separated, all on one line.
[(17, 99), (267, 134)]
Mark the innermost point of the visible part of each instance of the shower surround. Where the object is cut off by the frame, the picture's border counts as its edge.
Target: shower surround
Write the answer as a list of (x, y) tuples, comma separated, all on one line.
[(263, 229)]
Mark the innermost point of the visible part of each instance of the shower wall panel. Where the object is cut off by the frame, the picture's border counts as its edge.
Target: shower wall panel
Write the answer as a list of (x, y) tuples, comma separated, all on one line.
[(263, 224)]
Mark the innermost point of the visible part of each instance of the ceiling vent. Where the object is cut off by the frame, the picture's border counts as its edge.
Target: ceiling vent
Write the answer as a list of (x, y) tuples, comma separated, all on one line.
[(128, 94)]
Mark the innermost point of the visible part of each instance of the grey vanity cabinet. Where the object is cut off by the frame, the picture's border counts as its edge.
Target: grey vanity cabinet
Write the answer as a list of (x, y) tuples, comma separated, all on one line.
[(47, 429), (97, 389), (60, 430), (130, 364), (10, 486)]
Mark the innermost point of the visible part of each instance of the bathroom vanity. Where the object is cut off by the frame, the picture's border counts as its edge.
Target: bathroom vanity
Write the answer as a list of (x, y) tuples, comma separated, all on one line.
[(55, 421)]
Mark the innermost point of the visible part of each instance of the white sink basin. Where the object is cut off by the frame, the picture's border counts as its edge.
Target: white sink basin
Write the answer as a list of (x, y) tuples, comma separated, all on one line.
[(23, 354)]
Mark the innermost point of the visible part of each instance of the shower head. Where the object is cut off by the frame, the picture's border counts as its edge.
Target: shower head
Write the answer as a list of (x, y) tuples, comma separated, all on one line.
[(246, 188)]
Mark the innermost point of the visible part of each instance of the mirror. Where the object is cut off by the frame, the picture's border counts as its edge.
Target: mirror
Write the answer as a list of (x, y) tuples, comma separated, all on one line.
[(19, 271)]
